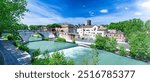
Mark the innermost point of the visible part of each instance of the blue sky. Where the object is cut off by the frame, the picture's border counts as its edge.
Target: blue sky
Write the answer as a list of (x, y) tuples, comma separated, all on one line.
[(77, 11)]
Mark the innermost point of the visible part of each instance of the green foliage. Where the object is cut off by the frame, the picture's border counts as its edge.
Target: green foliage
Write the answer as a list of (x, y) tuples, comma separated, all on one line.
[(53, 25), (21, 27), (35, 27), (140, 45), (136, 33), (128, 26), (60, 39), (93, 46), (122, 51), (34, 56), (106, 43), (110, 44), (24, 48), (46, 39), (57, 58), (16, 43), (36, 53), (46, 53), (100, 42), (12, 11), (147, 26), (91, 59), (10, 37), (21, 46)]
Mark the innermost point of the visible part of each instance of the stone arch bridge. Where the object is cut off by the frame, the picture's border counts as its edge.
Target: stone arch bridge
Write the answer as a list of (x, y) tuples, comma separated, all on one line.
[(26, 34)]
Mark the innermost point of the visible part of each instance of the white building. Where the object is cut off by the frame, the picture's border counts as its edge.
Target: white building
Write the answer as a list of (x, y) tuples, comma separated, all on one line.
[(90, 31)]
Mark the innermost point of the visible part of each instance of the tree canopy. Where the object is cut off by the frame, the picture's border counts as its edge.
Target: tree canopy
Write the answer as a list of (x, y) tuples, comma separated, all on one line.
[(147, 25), (11, 11), (53, 25), (128, 26), (136, 33)]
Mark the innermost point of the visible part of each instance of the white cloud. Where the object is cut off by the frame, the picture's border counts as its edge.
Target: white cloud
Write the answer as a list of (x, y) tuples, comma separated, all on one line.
[(126, 8), (145, 4), (40, 14), (138, 13), (104, 11), (143, 9), (91, 13)]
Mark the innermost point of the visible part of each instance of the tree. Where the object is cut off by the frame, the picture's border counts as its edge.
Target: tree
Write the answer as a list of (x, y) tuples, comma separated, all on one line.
[(106, 43), (92, 58), (100, 42), (33, 27), (140, 45), (11, 13), (122, 50), (128, 26), (52, 27), (34, 56), (57, 58), (111, 44), (147, 26)]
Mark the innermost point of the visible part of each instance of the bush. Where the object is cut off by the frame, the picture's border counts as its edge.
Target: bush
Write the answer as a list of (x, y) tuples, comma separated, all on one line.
[(10, 37), (34, 55), (60, 40), (57, 58), (16, 43), (93, 46), (46, 39), (106, 43), (20, 46), (24, 48), (122, 51), (46, 52)]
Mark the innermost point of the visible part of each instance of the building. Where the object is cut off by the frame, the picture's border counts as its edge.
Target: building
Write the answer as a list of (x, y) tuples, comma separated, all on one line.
[(88, 22), (67, 31), (118, 35), (89, 31), (44, 28)]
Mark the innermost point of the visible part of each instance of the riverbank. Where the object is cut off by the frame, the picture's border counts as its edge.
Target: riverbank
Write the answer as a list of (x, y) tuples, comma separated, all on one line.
[(12, 55)]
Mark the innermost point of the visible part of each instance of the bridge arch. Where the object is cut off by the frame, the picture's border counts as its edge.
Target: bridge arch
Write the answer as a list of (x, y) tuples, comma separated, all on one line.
[(36, 34), (26, 34)]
